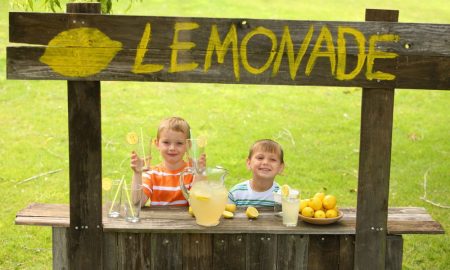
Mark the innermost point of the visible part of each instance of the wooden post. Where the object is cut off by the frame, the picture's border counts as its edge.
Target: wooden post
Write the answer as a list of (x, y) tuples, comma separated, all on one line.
[(374, 168), (85, 158)]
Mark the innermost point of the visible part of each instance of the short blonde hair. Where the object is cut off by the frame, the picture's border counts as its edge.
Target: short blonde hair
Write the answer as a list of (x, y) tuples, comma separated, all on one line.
[(174, 124), (267, 145)]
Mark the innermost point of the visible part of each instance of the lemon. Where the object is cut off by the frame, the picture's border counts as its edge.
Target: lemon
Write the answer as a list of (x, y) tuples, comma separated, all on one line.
[(285, 190), (201, 196), (319, 214), (106, 184), (315, 203), (252, 212), (303, 204), (320, 195), (308, 212), (329, 202), (230, 207), (227, 214), (191, 212), (132, 138), (80, 52), (332, 213)]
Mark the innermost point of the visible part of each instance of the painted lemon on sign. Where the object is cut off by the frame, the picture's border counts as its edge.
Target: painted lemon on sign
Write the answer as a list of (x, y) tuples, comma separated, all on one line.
[(80, 52)]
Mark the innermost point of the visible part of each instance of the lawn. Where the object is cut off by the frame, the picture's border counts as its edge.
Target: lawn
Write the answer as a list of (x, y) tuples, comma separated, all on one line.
[(318, 128)]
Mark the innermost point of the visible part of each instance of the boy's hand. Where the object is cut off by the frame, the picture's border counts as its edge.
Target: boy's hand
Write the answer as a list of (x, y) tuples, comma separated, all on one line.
[(136, 163), (202, 161)]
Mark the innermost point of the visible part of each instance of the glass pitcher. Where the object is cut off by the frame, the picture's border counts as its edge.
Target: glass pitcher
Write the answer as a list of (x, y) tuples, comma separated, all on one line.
[(208, 195)]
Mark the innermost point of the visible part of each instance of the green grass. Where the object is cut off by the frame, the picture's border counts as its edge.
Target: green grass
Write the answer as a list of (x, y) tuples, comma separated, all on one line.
[(317, 126)]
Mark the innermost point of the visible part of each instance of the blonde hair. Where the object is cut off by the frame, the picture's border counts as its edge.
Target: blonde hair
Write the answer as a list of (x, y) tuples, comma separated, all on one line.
[(174, 124), (267, 145)]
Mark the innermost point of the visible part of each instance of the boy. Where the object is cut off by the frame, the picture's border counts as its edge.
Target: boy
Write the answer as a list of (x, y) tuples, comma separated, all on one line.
[(160, 183), (265, 160)]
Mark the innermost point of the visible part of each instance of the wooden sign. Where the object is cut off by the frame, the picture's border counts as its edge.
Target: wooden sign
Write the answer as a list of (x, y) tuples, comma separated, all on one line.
[(214, 50)]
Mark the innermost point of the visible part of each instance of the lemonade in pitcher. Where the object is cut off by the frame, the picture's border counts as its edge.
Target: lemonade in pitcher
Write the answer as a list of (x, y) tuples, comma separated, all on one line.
[(208, 200)]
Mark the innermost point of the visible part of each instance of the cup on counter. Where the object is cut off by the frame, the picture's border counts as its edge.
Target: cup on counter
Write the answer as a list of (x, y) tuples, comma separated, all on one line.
[(290, 206), (132, 202)]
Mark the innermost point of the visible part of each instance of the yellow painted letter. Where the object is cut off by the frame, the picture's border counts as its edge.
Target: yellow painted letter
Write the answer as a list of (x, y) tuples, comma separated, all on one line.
[(177, 45), (286, 41), (373, 54), (138, 67), (342, 53), (243, 49), (221, 48), (330, 53)]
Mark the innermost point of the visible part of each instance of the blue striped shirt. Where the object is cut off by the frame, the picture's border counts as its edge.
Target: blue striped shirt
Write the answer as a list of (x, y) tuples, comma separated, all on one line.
[(243, 195)]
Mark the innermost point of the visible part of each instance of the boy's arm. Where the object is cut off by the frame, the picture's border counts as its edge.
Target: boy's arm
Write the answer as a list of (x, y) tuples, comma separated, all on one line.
[(137, 166)]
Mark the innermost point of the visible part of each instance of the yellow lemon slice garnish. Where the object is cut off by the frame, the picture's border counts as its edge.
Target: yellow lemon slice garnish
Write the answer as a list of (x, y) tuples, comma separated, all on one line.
[(201, 196), (227, 214), (252, 212), (285, 190), (106, 184), (132, 138)]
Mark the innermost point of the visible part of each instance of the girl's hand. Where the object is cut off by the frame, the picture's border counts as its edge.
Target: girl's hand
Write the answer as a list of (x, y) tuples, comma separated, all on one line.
[(136, 163)]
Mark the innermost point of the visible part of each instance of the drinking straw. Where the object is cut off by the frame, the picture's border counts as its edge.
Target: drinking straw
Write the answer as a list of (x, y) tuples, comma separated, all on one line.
[(117, 192), (143, 148), (128, 198)]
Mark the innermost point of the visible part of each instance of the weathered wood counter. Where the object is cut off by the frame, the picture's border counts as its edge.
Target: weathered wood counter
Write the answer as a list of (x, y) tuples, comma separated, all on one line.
[(169, 238)]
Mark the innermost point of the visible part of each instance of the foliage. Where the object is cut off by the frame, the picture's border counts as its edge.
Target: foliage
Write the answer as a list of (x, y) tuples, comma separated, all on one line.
[(57, 5)]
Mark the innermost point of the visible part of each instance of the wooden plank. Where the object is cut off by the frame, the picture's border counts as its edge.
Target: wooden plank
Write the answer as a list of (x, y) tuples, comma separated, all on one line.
[(228, 251), (346, 252), (292, 252), (135, 251), (422, 61), (40, 28), (111, 253), (261, 251), (59, 247), (85, 163), (323, 252), (401, 220), (394, 252), (374, 169), (166, 251), (197, 251), (23, 63)]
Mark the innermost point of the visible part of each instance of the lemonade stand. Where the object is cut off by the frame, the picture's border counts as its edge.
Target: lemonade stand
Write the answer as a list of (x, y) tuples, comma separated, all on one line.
[(169, 238)]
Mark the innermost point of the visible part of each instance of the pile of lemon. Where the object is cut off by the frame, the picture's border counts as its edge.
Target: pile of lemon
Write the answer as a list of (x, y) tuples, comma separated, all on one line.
[(319, 206)]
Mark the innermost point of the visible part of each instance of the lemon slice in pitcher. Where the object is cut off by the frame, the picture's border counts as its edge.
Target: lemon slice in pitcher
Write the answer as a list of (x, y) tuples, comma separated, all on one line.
[(201, 196)]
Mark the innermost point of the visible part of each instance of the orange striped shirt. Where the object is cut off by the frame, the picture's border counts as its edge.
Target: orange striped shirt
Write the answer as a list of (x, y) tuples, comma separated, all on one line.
[(162, 186)]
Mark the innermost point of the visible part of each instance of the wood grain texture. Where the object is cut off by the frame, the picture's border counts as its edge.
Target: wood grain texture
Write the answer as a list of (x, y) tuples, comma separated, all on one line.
[(197, 251), (85, 163), (323, 252), (226, 246), (166, 251), (401, 220), (423, 60), (292, 252), (377, 112), (261, 251), (394, 252)]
